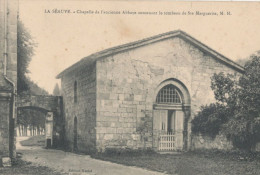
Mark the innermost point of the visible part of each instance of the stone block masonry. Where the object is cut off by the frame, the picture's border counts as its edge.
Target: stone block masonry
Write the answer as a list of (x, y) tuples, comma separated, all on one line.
[(45, 103), (206, 142), (4, 126), (127, 84), (117, 89), (83, 110), (8, 68)]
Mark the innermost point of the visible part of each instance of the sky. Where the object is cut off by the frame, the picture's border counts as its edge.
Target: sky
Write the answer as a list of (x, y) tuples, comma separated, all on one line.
[(64, 39)]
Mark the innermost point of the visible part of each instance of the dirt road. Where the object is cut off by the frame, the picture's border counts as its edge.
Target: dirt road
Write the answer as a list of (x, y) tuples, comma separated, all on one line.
[(75, 164)]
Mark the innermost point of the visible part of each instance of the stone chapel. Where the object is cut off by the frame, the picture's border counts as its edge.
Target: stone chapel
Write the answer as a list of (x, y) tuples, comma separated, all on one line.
[(140, 95)]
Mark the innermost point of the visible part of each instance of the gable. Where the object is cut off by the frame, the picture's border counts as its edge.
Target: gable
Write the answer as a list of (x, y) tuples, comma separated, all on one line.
[(122, 48)]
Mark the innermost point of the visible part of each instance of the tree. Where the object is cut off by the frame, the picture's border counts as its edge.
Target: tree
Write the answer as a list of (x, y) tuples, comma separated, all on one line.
[(35, 89), (243, 61), (239, 98), (56, 90), (30, 117), (25, 51), (210, 119)]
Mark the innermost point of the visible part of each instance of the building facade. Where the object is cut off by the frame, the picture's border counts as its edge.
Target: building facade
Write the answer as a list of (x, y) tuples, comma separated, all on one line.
[(8, 75), (140, 95)]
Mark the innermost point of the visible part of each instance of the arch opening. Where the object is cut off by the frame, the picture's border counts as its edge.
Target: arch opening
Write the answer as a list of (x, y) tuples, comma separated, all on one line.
[(168, 95), (170, 116), (30, 121)]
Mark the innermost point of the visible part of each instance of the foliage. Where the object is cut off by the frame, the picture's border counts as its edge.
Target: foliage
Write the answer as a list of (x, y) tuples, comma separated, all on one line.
[(243, 132), (32, 118), (226, 89), (250, 84), (239, 111), (36, 90), (25, 86), (242, 61), (25, 51), (56, 90), (210, 119)]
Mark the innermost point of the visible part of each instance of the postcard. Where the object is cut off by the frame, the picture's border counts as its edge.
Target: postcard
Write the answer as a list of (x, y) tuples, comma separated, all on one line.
[(129, 87)]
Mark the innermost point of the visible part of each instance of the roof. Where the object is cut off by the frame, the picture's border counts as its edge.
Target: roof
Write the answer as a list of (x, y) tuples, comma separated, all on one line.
[(114, 50)]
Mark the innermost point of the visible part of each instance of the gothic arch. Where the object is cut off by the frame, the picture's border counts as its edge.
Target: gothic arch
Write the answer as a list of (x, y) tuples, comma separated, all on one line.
[(183, 91), (171, 115)]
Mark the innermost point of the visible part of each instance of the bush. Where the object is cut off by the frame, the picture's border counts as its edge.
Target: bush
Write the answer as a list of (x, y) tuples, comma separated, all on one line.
[(210, 120), (238, 114), (244, 133)]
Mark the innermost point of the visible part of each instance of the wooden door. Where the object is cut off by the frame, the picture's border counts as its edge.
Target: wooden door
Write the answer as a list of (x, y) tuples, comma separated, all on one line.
[(160, 120)]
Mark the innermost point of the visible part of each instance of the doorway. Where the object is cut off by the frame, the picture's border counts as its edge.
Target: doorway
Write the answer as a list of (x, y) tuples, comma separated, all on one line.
[(164, 129), (164, 121), (171, 122)]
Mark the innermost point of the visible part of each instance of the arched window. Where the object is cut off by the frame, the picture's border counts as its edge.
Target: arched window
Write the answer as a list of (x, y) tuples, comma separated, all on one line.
[(75, 92), (168, 95)]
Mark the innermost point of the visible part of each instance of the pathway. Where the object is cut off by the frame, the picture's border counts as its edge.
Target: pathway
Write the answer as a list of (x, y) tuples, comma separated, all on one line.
[(75, 164)]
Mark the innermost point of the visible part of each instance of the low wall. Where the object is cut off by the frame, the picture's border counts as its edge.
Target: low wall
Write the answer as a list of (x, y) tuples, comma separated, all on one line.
[(206, 142)]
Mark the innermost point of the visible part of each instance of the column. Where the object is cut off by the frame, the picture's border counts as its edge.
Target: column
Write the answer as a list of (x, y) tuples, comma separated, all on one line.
[(49, 129)]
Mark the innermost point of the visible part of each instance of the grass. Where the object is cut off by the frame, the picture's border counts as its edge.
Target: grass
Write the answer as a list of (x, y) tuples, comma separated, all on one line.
[(189, 163), (34, 141), (26, 168)]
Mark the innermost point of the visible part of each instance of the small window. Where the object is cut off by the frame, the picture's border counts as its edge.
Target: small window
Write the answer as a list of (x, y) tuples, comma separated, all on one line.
[(168, 95), (75, 92)]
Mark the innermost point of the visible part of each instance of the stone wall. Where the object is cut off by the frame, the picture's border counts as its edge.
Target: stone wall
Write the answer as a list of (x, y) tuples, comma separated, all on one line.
[(46, 103), (84, 109), (4, 125), (219, 142), (8, 50), (127, 85), (205, 142)]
